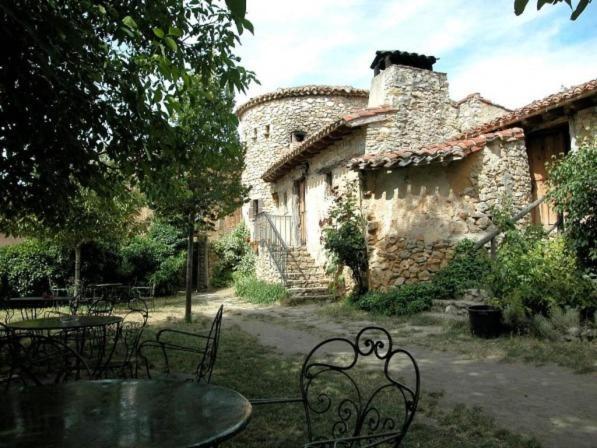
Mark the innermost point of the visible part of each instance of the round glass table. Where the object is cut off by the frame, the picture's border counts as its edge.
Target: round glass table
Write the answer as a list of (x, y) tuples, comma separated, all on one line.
[(122, 413)]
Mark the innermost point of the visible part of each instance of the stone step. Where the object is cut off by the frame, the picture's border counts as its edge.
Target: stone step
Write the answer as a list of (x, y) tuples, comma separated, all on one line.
[(301, 300), (306, 284)]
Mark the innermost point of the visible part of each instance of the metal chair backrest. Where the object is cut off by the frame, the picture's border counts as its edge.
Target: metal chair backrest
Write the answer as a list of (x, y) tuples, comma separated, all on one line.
[(100, 307), (208, 360), (40, 360), (365, 391)]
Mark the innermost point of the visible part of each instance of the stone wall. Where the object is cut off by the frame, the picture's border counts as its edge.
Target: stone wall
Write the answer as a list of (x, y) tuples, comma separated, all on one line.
[(417, 215), (475, 110), (583, 128), (265, 129), (265, 268), (425, 115)]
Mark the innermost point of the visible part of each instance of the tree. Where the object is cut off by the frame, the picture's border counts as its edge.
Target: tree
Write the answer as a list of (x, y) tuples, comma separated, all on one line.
[(520, 5), (89, 218), (88, 90), (206, 185)]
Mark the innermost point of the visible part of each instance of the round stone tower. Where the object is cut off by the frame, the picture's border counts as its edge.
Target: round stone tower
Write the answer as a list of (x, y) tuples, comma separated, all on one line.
[(272, 123)]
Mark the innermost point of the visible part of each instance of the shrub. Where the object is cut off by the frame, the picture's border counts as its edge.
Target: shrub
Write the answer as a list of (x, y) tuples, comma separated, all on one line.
[(533, 274), (467, 269), (344, 238), (403, 300), (170, 274), (573, 190), (254, 290), (27, 268), (234, 254)]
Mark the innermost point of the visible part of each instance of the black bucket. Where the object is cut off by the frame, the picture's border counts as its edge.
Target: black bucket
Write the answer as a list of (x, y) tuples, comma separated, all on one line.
[(485, 321)]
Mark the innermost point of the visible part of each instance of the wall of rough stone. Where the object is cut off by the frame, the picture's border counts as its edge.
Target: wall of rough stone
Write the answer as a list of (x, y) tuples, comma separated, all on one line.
[(425, 115), (265, 267), (266, 128), (474, 110), (417, 215), (583, 128)]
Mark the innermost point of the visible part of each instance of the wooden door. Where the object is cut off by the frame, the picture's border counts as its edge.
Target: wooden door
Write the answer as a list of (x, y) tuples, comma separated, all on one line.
[(541, 149), (301, 212)]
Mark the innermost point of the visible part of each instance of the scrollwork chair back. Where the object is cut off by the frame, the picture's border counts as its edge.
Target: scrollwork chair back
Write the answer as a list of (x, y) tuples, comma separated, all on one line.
[(360, 393)]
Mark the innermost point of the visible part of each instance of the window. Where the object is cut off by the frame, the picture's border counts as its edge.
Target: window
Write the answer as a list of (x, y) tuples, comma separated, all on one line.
[(254, 209), (329, 182), (297, 136), (267, 130), (254, 134)]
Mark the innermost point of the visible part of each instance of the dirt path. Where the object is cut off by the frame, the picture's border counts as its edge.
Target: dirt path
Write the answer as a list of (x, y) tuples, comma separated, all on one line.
[(551, 403)]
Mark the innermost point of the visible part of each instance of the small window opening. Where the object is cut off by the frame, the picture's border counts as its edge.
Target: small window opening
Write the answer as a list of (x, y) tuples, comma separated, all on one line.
[(254, 134), (297, 136), (267, 130), (254, 209)]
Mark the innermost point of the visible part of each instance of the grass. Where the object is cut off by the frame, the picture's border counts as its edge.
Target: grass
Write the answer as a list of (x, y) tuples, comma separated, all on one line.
[(254, 290), (256, 372), (454, 335)]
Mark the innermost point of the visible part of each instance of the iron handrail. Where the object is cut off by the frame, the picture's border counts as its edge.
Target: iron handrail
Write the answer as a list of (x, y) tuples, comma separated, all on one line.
[(276, 246)]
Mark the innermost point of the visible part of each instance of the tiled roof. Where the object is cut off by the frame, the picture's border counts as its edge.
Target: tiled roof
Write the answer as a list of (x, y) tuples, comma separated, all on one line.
[(536, 107), (346, 91), (440, 153), (323, 138)]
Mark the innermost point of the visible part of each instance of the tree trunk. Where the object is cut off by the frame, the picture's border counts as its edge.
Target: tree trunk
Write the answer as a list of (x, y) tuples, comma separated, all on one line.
[(77, 269), (189, 275)]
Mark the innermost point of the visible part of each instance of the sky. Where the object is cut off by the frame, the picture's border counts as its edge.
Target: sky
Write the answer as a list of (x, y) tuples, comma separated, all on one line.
[(481, 44)]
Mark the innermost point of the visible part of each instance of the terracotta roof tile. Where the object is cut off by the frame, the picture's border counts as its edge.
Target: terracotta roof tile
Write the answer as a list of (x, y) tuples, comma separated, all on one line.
[(439, 153), (536, 107), (322, 139), (346, 91)]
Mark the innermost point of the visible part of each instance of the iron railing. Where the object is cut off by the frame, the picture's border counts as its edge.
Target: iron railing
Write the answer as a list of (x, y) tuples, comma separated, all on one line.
[(276, 234)]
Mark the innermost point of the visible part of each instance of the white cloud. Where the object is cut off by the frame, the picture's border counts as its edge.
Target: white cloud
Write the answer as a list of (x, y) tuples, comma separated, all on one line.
[(483, 46)]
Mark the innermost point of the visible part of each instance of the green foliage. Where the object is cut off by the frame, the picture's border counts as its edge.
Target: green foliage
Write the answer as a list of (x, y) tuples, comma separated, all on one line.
[(234, 255), (155, 258), (89, 91), (169, 275), (467, 269), (573, 190), (344, 238), (533, 274), (254, 290), (520, 5), (403, 300), (26, 268)]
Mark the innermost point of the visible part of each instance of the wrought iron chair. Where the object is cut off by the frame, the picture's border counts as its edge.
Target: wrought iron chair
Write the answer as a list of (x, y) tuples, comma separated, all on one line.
[(40, 360), (123, 360), (100, 307), (204, 347), (146, 293), (343, 409)]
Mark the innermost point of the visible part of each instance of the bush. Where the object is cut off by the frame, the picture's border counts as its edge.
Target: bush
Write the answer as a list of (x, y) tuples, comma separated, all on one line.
[(573, 189), (254, 290), (533, 274), (27, 268), (403, 300), (468, 269), (169, 275), (234, 254)]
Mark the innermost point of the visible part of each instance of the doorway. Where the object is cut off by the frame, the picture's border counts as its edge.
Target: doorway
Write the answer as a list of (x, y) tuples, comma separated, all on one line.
[(541, 149), (302, 229)]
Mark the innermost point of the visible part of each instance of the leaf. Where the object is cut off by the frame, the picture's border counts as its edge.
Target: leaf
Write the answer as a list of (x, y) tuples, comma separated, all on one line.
[(519, 6), (582, 4), (173, 31), (159, 32), (171, 43), (248, 25), (130, 22), (238, 8), (541, 3)]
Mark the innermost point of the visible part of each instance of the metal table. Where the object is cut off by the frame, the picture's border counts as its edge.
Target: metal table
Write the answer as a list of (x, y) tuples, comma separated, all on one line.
[(29, 305), (59, 323), (122, 413)]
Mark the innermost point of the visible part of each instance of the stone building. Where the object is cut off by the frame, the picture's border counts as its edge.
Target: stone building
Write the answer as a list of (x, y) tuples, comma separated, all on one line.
[(427, 169)]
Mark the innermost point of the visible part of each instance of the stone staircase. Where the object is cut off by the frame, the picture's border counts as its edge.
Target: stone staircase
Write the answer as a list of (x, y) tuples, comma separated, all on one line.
[(306, 281)]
